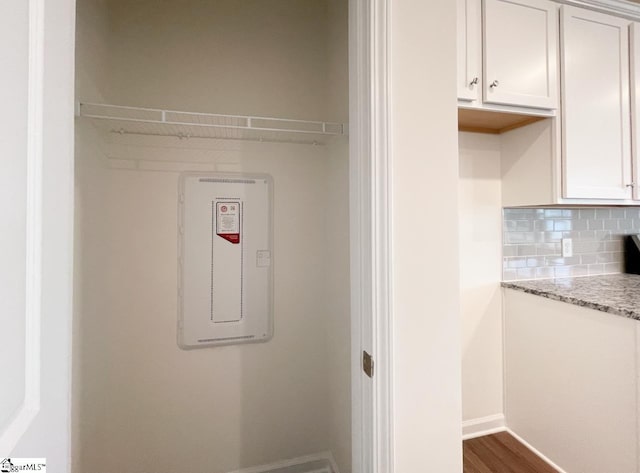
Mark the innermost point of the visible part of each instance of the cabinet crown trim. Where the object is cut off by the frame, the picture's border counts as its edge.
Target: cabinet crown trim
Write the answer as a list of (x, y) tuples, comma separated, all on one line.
[(619, 7)]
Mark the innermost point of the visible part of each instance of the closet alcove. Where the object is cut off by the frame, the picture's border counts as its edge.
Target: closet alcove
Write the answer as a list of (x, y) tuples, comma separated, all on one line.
[(217, 86)]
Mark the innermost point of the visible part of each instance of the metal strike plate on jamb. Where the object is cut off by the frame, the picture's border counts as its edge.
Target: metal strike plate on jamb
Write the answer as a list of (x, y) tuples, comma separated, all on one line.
[(367, 364)]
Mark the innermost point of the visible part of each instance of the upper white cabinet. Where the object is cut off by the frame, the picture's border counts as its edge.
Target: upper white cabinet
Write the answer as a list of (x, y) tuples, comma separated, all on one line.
[(596, 143), (469, 50), (585, 156), (507, 53), (520, 53)]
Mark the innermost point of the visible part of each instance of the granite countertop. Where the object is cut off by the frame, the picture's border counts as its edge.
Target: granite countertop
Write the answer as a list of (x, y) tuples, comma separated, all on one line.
[(617, 294)]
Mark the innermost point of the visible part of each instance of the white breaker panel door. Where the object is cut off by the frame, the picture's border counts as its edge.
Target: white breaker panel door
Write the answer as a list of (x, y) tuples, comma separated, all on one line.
[(225, 285)]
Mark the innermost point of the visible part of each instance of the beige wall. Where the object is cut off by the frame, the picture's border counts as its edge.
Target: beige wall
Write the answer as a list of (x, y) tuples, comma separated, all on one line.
[(90, 194), (141, 400), (213, 409), (337, 220), (247, 57), (426, 323), (89, 296), (480, 275), (92, 50), (337, 306)]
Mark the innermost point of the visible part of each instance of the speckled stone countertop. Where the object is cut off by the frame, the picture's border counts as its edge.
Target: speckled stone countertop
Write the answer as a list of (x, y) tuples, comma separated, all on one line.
[(617, 294)]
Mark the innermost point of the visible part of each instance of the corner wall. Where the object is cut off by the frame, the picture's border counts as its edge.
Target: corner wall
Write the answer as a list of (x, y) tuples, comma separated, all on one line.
[(513, 244), (480, 275)]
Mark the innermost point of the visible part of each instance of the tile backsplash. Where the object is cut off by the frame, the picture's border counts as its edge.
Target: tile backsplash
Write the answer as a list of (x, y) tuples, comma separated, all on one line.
[(532, 241)]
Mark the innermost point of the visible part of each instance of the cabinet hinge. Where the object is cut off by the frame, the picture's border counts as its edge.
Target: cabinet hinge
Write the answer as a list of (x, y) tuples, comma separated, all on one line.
[(367, 364)]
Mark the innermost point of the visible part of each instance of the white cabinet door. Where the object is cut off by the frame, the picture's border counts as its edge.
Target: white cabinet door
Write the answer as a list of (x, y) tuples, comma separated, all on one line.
[(469, 50), (36, 239), (520, 53), (635, 107), (596, 146)]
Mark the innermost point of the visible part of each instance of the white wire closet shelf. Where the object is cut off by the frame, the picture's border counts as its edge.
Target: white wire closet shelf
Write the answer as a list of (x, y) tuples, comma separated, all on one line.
[(149, 121)]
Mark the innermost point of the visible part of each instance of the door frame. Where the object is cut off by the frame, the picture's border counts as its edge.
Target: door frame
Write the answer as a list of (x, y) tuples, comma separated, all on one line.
[(370, 214)]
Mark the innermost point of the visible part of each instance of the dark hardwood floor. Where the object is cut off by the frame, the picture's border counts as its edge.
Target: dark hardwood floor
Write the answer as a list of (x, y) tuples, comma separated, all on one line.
[(501, 453)]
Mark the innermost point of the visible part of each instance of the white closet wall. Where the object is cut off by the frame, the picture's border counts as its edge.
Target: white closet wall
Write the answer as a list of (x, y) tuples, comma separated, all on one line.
[(139, 399)]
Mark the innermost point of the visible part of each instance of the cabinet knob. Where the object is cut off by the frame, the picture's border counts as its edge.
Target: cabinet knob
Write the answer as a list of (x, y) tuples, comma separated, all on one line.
[(495, 83), (474, 81), (633, 184)]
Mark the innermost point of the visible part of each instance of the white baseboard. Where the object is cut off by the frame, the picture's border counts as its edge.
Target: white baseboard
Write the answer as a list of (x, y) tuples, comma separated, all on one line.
[(534, 450), (483, 426), (324, 460)]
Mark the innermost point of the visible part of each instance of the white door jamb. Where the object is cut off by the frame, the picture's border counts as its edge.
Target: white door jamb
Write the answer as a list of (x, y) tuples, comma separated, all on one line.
[(370, 189)]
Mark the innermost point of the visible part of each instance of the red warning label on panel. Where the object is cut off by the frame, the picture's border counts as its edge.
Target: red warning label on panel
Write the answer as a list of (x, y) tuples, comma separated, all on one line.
[(228, 221)]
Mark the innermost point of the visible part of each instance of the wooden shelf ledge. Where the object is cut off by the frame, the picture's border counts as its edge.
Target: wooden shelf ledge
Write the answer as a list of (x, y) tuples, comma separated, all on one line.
[(487, 121)]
